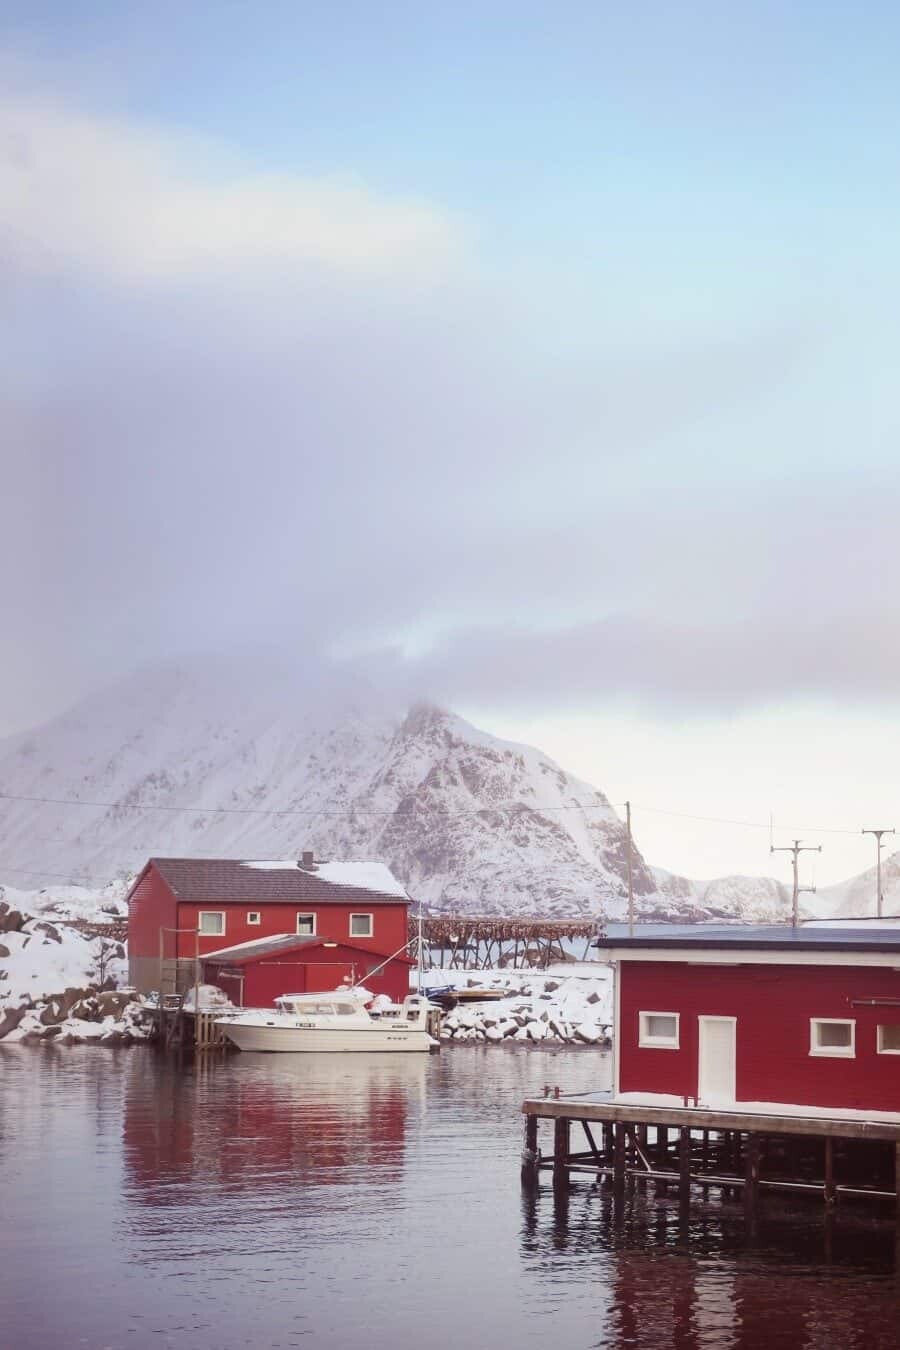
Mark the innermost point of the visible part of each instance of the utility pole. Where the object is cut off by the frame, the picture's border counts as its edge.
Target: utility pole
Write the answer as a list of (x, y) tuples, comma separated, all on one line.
[(878, 847), (630, 876), (796, 848)]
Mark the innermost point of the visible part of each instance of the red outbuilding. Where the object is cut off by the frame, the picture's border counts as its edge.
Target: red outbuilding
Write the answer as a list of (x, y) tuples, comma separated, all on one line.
[(339, 918), (758, 1018), (254, 974)]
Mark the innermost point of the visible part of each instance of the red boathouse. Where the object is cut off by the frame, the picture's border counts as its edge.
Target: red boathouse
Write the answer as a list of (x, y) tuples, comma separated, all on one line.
[(329, 920), (758, 1018), (254, 974)]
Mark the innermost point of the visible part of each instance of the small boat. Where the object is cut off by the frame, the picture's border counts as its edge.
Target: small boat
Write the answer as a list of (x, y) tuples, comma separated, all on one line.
[(481, 995), (300, 1023)]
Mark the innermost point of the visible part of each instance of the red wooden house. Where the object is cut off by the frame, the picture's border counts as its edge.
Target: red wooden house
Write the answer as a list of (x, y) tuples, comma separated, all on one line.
[(330, 922), (805, 1018)]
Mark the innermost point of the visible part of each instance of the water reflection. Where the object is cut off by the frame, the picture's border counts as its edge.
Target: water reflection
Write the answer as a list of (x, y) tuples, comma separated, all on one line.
[(707, 1282), (355, 1202), (259, 1121)]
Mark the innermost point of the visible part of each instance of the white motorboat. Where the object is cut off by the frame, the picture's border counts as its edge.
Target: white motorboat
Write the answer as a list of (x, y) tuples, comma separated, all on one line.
[(337, 1021)]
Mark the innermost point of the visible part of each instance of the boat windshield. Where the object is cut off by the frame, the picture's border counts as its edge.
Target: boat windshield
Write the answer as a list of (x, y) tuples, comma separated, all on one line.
[(318, 1007)]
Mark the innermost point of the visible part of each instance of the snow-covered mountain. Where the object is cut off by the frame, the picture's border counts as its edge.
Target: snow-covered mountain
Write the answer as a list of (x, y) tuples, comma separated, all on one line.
[(269, 766), (858, 897)]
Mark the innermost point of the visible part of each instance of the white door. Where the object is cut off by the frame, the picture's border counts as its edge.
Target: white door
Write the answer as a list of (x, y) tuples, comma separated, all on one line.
[(716, 1075)]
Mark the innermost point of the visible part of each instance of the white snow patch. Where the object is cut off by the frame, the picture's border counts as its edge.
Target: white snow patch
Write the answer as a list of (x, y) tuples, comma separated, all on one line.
[(365, 876)]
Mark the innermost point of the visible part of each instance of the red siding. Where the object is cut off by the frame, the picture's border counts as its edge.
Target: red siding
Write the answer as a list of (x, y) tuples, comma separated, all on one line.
[(151, 906), (773, 1006), (311, 971), (332, 922)]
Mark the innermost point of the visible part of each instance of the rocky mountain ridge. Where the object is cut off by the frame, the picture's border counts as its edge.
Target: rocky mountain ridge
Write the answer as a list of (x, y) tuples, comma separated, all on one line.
[(180, 761)]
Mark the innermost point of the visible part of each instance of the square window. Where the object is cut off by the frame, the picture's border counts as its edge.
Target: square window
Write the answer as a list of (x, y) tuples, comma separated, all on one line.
[(211, 922), (889, 1038), (253, 916), (306, 924), (360, 925), (832, 1036), (658, 1030)]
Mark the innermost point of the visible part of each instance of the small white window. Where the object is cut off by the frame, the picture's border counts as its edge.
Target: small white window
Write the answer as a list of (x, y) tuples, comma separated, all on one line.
[(360, 925), (832, 1036), (253, 916), (659, 1030), (889, 1039), (212, 922), (306, 924)]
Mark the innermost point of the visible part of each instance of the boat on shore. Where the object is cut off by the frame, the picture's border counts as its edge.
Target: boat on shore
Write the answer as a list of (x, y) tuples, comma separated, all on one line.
[(304, 1023)]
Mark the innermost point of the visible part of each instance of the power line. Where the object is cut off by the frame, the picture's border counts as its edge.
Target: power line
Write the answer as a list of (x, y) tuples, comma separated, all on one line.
[(746, 824), (297, 811), (507, 805)]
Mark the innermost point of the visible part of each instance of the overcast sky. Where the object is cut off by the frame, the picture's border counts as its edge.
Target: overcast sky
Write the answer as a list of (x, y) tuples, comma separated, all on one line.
[(548, 351)]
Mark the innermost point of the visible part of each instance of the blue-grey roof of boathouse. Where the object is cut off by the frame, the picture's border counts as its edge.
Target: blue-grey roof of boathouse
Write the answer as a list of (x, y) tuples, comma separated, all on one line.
[(752, 937)]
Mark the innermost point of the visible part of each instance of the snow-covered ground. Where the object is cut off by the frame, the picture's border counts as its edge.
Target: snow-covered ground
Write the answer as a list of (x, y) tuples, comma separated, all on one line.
[(568, 1003), (57, 982)]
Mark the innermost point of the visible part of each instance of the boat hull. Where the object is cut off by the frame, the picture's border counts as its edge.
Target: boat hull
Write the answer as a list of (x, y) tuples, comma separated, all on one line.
[(318, 1040)]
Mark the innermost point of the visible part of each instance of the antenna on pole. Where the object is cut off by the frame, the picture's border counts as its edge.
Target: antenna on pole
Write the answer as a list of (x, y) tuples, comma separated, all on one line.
[(630, 876), (879, 897), (796, 848)]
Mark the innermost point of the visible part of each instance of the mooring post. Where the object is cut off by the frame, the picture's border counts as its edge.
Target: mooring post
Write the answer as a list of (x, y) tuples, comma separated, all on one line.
[(830, 1192), (560, 1151), (531, 1158), (619, 1162), (684, 1169), (662, 1157)]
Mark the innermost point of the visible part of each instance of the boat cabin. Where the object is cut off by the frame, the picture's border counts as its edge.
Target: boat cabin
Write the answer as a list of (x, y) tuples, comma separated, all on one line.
[(804, 1018)]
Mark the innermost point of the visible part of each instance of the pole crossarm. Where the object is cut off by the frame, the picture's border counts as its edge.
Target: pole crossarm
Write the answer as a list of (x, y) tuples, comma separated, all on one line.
[(879, 895), (796, 848)]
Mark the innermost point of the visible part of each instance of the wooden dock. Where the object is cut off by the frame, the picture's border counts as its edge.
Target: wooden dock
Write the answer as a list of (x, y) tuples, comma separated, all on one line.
[(179, 1028), (675, 1149)]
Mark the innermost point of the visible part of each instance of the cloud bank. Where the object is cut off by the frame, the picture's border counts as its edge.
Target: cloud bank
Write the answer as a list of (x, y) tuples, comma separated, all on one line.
[(243, 406)]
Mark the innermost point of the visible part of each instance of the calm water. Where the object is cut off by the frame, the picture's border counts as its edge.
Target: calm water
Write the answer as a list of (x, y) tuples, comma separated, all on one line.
[(356, 1201)]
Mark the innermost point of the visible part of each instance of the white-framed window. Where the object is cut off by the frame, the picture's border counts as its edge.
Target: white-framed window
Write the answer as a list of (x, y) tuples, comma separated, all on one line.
[(254, 916), (361, 925), (211, 922), (658, 1030), (306, 924), (889, 1038), (834, 1036)]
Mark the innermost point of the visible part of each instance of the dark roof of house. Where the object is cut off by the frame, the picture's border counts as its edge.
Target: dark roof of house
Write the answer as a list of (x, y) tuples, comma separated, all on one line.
[(750, 937), (231, 879), (243, 952)]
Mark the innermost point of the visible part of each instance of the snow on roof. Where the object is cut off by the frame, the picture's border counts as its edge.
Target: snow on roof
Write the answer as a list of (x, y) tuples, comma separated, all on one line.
[(259, 946), (281, 881), (363, 876)]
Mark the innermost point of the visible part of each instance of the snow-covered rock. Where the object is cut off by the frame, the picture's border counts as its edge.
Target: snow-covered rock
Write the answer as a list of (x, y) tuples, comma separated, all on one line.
[(567, 1004)]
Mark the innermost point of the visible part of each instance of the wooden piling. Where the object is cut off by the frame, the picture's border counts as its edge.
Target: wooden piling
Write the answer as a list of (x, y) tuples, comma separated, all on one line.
[(684, 1168), (560, 1151), (751, 1176), (619, 1161)]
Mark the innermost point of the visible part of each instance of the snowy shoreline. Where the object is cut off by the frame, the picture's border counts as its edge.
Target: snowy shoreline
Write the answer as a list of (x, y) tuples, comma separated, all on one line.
[(63, 973)]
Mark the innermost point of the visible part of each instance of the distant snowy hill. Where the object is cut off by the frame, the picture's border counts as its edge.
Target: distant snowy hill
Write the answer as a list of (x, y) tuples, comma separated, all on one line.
[(271, 766), (857, 897)]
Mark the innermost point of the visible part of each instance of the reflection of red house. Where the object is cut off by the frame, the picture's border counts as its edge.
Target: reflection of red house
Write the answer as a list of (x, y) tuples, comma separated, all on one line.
[(246, 1127), (181, 910), (253, 974)]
